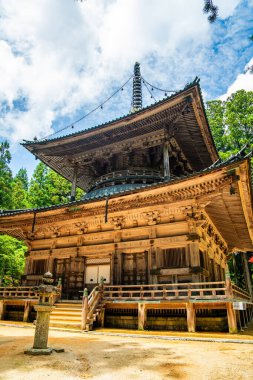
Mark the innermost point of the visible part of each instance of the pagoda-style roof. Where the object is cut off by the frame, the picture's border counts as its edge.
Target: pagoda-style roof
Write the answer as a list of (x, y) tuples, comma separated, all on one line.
[(106, 148)]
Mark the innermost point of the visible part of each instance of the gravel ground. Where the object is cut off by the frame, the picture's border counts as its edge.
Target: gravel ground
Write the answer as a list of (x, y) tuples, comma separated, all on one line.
[(102, 357)]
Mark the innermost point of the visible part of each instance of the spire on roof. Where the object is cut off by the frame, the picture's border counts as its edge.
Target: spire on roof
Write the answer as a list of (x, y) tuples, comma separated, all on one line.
[(137, 91)]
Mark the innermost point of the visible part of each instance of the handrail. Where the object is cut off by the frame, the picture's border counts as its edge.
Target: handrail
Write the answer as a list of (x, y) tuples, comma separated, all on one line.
[(89, 305), (198, 290), (241, 293), (18, 292)]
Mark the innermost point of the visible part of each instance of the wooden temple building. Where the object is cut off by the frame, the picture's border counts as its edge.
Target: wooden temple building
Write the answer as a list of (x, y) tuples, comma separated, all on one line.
[(160, 217)]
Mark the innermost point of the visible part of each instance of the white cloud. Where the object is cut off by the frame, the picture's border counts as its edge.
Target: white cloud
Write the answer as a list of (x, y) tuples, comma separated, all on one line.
[(226, 7), (62, 54), (244, 81)]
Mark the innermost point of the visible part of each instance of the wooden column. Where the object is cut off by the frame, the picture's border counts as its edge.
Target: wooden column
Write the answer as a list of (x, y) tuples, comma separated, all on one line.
[(142, 316), (73, 189), (191, 317), (2, 309), (26, 311), (195, 261), (50, 264), (232, 321), (166, 160), (247, 274), (102, 317), (111, 267)]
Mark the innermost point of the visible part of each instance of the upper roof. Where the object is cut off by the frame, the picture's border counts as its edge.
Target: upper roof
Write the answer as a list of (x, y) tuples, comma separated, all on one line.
[(180, 115)]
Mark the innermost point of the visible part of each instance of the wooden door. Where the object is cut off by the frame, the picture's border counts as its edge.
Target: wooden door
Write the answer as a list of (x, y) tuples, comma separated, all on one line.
[(95, 272), (71, 272), (135, 268)]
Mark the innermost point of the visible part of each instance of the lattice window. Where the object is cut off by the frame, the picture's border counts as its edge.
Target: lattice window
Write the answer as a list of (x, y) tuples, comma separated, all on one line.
[(105, 260), (39, 266), (174, 258)]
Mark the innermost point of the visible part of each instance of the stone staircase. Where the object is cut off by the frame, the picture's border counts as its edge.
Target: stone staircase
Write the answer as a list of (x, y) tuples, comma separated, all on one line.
[(68, 315)]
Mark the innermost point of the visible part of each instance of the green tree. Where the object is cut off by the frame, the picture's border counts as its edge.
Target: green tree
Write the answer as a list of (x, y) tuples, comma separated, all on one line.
[(5, 176), (23, 177), (239, 119), (48, 188), (12, 260), (38, 189), (19, 191), (231, 122)]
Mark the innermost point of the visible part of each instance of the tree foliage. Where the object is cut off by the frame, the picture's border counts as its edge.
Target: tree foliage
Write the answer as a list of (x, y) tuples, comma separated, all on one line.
[(211, 9), (5, 176), (48, 188), (231, 122), (12, 260)]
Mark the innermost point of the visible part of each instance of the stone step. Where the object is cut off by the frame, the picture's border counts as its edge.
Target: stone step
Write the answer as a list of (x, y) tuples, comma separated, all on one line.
[(64, 318), (68, 306), (68, 302), (66, 312), (66, 324)]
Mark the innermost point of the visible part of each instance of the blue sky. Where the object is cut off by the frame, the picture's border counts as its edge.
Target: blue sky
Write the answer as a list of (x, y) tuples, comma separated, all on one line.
[(61, 58)]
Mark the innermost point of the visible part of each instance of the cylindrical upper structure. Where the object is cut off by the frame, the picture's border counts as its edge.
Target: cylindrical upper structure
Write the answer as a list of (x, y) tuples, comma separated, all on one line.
[(137, 90)]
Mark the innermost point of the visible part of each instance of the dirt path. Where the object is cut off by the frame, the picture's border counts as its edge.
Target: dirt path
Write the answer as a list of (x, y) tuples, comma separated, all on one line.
[(123, 358)]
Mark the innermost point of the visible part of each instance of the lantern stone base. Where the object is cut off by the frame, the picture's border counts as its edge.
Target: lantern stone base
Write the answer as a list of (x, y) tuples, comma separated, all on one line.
[(39, 351)]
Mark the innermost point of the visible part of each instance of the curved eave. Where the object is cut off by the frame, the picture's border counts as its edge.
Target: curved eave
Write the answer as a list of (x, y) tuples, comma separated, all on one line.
[(193, 135)]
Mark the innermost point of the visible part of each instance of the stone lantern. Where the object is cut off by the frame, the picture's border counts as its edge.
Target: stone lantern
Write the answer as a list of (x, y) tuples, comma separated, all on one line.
[(47, 296)]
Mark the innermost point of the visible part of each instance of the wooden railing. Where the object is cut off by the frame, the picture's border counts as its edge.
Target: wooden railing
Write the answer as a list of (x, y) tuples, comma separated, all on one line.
[(90, 303), (155, 292), (17, 292), (239, 293)]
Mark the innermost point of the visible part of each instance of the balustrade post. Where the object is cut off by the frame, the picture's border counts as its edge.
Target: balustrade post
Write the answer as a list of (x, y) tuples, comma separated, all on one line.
[(59, 287), (84, 309)]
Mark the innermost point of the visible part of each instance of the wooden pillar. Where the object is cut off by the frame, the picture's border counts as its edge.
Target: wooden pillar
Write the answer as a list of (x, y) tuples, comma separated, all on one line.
[(84, 310), (50, 264), (111, 267), (26, 311), (153, 256), (102, 317), (247, 274), (232, 320), (142, 316), (2, 309), (191, 317), (27, 260), (235, 267), (195, 260), (166, 160), (73, 189)]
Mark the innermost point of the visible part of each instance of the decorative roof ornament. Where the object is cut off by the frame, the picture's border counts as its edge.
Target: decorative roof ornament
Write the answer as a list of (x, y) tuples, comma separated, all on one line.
[(137, 90)]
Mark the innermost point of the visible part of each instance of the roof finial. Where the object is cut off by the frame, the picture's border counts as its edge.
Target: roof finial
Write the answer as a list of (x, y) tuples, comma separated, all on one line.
[(137, 91)]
